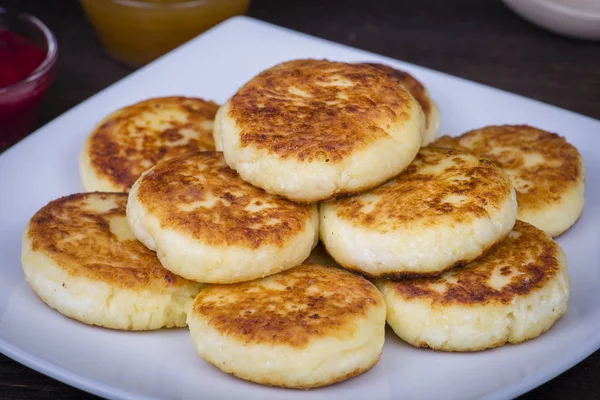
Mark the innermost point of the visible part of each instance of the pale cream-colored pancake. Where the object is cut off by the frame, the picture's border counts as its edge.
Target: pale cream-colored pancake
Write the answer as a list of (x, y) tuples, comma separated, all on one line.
[(81, 259), (134, 138), (513, 294), (421, 94), (446, 209), (208, 225), (547, 171), (303, 328), (312, 129)]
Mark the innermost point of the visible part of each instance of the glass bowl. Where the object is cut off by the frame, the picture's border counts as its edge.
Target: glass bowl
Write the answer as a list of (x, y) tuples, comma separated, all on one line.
[(20, 100), (139, 31)]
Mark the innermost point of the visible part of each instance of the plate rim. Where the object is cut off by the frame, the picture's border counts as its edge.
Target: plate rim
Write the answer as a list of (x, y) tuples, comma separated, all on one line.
[(99, 388)]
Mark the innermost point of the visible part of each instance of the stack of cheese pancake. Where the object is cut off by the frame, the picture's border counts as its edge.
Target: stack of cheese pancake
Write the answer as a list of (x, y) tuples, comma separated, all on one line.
[(211, 217)]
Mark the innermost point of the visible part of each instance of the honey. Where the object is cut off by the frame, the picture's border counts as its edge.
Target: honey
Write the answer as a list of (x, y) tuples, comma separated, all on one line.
[(138, 31)]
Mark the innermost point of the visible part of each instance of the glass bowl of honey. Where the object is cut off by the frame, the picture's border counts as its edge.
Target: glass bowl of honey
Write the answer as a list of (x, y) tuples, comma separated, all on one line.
[(28, 53), (139, 31)]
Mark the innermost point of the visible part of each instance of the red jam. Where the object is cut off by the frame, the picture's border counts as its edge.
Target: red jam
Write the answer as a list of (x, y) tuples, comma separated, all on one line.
[(19, 58)]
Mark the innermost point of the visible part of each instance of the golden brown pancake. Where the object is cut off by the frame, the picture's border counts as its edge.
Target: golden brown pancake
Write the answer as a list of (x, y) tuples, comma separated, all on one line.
[(514, 293), (307, 129), (446, 209), (303, 130), (448, 142), (210, 226), (306, 327), (420, 93), (135, 138), (546, 170), (82, 259)]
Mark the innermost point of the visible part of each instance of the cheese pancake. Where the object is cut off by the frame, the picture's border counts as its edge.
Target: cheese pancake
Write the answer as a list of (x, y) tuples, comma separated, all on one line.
[(448, 142), (515, 293), (135, 138), (208, 225), (81, 259), (446, 209), (312, 129), (547, 171), (421, 94), (306, 327)]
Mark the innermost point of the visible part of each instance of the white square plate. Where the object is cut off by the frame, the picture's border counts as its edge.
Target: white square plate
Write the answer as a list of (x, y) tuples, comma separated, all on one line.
[(164, 364)]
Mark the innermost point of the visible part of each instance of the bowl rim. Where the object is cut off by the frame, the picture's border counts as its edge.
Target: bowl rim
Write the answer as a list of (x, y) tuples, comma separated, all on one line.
[(572, 11), (51, 52)]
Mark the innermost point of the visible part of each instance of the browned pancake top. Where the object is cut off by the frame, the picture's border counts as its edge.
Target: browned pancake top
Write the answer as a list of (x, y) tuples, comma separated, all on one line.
[(317, 109), (87, 235), (290, 308), (416, 88), (542, 165), (134, 138), (201, 197), (521, 264), (448, 142), (439, 183)]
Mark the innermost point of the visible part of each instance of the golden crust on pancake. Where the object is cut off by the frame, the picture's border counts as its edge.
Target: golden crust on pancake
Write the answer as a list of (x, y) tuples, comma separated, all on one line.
[(425, 192), (200, 196), (208, 225), (303, 328), (448, 142), (416, 89), (135, 138), (97, 245), (290, 308), (446, 209), (523, 262), (514, 293), (309, 130), (81, 258), (547, 171), (537, 182), (317, 109)]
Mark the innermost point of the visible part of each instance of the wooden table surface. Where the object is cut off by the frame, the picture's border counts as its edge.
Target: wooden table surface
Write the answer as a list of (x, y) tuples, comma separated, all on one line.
[(479, 40)]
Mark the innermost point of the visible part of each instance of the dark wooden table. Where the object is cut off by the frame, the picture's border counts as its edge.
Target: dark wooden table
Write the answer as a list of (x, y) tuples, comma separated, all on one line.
[(478, 40)]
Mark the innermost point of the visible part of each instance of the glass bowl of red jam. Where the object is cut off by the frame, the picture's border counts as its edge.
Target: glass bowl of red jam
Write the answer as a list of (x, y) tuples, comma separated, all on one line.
[(28, 52)]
